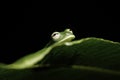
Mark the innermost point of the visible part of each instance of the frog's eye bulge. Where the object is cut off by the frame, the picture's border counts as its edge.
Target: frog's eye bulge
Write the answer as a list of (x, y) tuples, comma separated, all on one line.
[(55, 36), (69, 30)]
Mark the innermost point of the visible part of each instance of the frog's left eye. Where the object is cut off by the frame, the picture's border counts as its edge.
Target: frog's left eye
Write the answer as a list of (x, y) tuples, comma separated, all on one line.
[(55, 36)]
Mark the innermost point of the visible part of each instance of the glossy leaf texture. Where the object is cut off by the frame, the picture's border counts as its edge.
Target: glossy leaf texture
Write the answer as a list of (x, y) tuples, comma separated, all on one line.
[(88, 58)]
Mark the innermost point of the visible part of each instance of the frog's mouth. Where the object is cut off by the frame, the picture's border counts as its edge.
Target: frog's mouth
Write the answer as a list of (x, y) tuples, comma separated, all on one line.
[(67, 39)]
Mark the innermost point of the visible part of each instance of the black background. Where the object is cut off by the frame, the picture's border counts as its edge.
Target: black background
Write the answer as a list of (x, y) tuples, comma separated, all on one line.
[(26, 26)]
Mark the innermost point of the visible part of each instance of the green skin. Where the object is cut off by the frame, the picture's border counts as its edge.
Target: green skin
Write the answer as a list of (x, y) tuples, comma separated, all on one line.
[(29, 61)]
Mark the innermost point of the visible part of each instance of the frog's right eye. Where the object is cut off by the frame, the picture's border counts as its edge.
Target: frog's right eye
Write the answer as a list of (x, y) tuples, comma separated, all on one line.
[(55, 36)]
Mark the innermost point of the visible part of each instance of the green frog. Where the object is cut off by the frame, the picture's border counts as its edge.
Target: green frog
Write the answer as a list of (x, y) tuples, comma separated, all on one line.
[(28, 61)]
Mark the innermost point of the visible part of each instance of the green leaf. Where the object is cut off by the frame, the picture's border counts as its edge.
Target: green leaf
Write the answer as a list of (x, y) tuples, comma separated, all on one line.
[(94, 52), (88, 58)]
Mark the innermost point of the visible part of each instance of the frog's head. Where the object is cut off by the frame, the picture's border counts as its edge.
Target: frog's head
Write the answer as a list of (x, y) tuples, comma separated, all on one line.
[(59, 38), (65, 36)]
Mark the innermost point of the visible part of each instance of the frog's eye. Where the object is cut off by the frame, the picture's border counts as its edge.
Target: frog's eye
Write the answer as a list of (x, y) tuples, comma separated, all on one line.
[(69, 30), (55, 36)]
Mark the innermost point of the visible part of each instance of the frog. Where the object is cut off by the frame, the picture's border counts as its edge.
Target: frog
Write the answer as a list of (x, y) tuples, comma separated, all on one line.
[(30, 60)]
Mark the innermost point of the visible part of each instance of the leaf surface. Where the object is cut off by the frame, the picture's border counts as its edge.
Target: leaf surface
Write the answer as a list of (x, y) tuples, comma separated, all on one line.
[(88, 58)]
